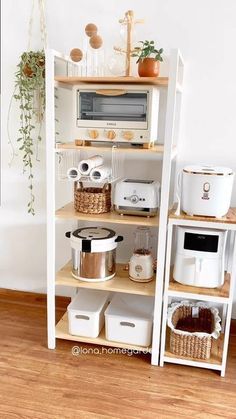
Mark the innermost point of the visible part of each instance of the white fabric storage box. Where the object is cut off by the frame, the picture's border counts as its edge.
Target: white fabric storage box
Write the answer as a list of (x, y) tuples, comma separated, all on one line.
[(129, 318), (86, 312)]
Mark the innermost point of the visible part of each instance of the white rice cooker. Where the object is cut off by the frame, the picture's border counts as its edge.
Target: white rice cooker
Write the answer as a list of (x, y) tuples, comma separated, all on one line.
[(93, 253), (200, 257), (206, 190)]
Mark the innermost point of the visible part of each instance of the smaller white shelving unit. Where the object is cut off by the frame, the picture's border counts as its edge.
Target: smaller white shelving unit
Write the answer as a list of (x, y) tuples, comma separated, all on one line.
[(222, 296)]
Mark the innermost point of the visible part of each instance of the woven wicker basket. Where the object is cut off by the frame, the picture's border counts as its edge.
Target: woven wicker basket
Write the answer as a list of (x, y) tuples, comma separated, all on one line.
[(190, 342), (92, 200)]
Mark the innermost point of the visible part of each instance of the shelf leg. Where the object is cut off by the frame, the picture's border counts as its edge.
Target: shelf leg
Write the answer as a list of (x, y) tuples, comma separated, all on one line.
[(51, 319), (224, 315), (229, 309), (50, 164), (165, 304), (163, 331), (170, 135)]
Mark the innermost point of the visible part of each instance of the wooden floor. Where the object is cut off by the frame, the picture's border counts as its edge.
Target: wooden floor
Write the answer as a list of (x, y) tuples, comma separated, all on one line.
[(39, 383)]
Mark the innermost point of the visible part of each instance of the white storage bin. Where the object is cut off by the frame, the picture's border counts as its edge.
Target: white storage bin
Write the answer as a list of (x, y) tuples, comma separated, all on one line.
[(86, 312), (129, 319)]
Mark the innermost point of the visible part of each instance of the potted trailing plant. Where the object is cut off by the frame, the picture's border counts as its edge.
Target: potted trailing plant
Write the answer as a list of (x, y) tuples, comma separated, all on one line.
[(30, 94), (149, 58)]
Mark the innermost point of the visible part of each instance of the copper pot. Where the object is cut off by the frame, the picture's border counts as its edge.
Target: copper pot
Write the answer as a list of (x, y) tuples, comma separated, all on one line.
[(148, 67)]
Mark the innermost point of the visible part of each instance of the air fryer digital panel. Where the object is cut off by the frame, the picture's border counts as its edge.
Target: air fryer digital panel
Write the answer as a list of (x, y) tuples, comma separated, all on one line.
[(201, 242)]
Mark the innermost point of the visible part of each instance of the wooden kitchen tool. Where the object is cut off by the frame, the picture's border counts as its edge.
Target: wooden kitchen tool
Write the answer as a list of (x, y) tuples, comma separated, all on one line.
[(129, 21)]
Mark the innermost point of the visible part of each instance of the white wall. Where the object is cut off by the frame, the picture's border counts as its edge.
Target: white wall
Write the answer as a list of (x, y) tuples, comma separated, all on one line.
[(204, 31)]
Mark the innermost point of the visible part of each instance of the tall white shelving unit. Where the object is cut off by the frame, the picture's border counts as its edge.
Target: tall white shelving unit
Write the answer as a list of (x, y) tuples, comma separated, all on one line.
[(166, 151)]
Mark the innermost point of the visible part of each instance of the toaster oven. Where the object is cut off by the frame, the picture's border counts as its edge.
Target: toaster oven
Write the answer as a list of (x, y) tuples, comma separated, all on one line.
[(117, 113)]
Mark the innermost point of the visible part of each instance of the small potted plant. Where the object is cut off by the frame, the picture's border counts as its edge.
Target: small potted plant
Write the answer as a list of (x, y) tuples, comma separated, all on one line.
[(149, 58)]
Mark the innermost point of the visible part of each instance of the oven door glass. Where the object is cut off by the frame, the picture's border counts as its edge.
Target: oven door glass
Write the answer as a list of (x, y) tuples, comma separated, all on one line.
[(123, 109)]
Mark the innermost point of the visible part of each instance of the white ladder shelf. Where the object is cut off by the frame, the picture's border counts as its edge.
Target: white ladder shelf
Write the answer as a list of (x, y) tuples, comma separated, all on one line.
[(167, 152)]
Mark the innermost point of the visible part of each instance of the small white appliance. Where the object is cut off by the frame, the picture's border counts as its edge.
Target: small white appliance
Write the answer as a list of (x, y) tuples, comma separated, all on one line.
[(206, 190), (86, 312), (141, 262), (129, 319), (124, 113), (137, 197), (200, 257)]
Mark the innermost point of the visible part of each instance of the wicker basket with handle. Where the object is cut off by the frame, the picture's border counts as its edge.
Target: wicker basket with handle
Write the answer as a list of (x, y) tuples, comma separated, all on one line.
[(92, 200), (192, 328)]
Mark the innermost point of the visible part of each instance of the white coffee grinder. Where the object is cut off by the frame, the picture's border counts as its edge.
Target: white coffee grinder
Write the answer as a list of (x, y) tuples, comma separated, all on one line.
[(141, 262)]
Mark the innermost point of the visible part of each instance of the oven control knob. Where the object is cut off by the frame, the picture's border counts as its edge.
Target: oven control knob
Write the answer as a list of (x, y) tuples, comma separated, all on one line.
[(128, 135), (134, 199), (111, 134), (93, 134)]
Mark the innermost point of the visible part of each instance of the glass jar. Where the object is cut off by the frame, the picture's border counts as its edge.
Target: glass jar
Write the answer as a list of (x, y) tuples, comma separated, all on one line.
[(142, 241)]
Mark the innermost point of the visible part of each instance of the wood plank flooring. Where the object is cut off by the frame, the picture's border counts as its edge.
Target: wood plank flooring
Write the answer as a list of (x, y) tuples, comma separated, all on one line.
[(37, 383)]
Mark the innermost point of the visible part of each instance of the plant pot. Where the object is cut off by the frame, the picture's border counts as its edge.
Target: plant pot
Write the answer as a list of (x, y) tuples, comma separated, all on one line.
[(148, 67), (27, 70)]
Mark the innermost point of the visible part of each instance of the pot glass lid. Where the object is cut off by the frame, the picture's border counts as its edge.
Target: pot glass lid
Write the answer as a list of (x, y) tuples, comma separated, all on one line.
[(208, 170), (94, 233)]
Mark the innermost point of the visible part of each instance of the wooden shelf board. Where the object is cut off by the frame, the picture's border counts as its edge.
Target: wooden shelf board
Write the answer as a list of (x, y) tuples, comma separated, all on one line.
[(175, 288), (160, 81), (68, 212), (62, 332), (120, 283), (229, 218), (158, 148), (215, 361)]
